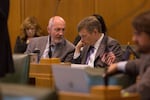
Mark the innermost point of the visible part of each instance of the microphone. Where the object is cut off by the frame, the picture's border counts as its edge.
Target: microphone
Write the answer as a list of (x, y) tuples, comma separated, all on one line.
[(133, 51), (105, 77)]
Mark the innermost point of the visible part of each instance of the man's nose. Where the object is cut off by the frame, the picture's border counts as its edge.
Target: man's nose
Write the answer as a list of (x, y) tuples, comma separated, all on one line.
[(61, 32)]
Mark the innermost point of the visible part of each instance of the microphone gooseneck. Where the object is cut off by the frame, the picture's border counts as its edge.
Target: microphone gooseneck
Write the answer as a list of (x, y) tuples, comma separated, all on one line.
[(105, 77)]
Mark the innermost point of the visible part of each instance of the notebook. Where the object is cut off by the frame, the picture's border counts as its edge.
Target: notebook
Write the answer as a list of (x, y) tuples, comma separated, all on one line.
[(73, 79)]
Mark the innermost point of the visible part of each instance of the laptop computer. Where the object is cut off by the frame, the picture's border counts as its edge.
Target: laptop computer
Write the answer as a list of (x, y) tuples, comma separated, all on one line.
[(73, 79)]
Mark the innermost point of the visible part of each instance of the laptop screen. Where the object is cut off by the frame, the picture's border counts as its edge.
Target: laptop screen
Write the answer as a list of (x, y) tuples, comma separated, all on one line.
[(74, 79)]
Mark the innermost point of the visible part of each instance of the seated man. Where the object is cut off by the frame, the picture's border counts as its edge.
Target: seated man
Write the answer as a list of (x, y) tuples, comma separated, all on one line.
[(95, 48), (53, 45), (138, 67)]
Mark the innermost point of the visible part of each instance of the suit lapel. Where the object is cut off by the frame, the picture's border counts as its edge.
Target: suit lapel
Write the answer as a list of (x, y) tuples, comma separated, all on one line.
[(43, 44), (102, 48)]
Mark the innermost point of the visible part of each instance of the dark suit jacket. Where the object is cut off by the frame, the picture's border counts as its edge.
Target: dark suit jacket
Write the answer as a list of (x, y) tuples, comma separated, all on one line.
[(20, 46), (6, 62), (64, 51), (108, 44), (140, 67)]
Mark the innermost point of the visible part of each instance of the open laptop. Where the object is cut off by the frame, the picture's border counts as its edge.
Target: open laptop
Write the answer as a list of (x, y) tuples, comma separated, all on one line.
[(73, 79)]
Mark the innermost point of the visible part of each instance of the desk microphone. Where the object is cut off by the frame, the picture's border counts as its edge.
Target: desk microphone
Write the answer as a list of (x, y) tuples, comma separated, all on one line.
[(133, 51), (105, 77)]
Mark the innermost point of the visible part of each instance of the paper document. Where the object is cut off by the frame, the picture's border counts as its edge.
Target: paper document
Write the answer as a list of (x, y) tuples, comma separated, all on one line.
[(80, 66)]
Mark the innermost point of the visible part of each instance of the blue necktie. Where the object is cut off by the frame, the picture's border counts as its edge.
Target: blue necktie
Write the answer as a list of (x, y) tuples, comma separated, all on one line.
[(90, 51), (50, 52)]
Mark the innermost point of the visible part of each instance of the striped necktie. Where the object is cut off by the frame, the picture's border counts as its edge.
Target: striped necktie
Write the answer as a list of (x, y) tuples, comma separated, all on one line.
[(90, 51)]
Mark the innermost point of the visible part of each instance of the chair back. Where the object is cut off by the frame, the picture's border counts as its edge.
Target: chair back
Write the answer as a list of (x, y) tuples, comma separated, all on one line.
[(24, 92), (129, 52), (21, 74)]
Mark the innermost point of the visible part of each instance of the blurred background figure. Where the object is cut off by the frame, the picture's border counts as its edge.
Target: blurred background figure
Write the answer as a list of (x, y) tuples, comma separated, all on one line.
[(140, 67), (30, 28), (6, 62)]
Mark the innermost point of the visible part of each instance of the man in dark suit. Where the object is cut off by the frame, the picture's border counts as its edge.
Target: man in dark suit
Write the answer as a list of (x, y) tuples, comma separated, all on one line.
[(106, 49), (53, 45), (6, 62), (139, 67)]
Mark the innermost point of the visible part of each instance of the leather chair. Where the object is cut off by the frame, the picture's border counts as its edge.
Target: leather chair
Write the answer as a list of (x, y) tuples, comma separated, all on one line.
[(22, 92), (121, 79), (21, 74), (129, 52)]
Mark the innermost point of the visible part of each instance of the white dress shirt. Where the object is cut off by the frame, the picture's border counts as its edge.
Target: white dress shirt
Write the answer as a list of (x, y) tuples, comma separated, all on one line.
[(121, 66)]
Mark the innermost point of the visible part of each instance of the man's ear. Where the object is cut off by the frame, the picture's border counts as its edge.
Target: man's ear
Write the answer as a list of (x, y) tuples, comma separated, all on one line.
[(95, 31)]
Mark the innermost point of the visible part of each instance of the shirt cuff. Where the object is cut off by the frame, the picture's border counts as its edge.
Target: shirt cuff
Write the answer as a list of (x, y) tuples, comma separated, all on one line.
[(76, 55), (121, 66)]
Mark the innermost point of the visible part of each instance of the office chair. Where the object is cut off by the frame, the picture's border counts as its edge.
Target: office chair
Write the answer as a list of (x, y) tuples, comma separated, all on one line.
[(21, 74)]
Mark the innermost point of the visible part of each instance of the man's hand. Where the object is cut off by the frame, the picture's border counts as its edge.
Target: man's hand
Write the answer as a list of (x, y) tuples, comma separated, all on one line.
[(112, 69), (108, 58), (79, 46)]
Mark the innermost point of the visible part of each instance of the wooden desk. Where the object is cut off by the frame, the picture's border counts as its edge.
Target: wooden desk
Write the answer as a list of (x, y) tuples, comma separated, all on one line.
[(42, 74), (99, 93)]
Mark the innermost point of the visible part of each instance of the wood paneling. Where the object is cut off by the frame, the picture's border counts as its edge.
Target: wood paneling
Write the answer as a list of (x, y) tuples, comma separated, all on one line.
[(41, 9), (14, 21), (71, 10), (118, 15)]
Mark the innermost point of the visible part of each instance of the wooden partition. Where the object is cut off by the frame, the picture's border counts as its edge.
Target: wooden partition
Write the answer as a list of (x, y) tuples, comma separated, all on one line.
[(118, 15), (99, 93), (43, 76), (42, 72)]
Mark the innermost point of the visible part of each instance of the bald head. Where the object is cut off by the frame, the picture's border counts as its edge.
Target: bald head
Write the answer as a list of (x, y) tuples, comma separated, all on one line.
[(56, 28), (56, 19)]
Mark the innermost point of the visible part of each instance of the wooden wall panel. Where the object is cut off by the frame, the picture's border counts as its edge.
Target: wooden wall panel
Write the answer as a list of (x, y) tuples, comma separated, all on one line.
[(14, 21), (118, 15), (41, 9), (71, 10)]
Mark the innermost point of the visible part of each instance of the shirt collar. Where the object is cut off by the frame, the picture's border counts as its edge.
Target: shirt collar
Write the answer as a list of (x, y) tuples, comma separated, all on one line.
[(98, 42)]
